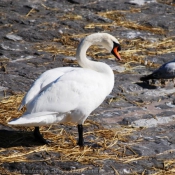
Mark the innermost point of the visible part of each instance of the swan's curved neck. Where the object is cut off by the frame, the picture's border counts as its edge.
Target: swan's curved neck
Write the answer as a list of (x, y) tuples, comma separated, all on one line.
[(81, 54), (89, 64)]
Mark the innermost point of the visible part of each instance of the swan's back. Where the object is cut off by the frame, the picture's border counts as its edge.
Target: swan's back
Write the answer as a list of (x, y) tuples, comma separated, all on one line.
[(73, 90), (41, 82)]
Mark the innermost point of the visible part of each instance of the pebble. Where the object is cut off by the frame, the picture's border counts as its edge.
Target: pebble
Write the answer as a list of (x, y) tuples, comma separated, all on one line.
[(152, 122), (13, 37)]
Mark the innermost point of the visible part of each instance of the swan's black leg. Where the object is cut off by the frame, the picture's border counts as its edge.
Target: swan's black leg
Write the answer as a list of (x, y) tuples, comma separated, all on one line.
[(39, 137), (80, 134)]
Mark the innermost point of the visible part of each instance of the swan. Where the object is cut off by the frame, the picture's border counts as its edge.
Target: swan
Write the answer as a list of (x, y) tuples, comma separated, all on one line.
[(165, 71), (70, 94)]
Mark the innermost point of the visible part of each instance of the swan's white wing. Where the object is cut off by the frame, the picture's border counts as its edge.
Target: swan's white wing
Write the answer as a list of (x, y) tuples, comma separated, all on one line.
[(72, 97), (72, 90), (43, 80)]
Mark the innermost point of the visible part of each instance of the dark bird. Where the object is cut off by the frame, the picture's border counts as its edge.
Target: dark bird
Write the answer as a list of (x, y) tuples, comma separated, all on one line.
[(166, 71)]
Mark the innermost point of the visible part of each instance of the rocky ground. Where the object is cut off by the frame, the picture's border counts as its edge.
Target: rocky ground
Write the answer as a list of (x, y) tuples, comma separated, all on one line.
[(136, 121)]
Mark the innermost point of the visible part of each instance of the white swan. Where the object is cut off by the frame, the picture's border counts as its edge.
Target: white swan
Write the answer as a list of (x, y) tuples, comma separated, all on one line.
[(70, 94)]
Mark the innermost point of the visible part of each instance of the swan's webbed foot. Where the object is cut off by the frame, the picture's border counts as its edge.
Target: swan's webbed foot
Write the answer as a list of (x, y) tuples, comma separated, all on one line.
[(38, 136)]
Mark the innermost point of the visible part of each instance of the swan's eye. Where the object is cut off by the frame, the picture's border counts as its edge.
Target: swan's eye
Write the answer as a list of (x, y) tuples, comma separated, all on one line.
[(115, 50), (117, 45)]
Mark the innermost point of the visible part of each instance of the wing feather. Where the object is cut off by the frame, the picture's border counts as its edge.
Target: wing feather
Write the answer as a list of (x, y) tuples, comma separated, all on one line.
[(43, 80), (75, 89)]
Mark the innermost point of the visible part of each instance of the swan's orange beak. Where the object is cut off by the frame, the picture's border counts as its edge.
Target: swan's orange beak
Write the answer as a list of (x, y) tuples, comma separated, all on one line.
[(115, 53)]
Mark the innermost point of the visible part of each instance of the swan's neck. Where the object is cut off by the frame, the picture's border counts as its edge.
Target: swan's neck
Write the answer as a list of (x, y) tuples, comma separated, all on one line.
[(102, 68), (89, 64)]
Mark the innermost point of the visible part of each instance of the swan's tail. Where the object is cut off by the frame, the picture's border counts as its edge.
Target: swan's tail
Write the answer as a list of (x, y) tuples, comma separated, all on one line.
[(37, 119)]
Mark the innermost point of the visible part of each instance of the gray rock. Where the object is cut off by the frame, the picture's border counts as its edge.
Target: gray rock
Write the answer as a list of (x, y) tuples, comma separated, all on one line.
[(13, 37)]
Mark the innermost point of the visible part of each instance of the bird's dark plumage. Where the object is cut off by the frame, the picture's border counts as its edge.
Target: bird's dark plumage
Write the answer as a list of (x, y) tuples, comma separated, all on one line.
[(147, 77), (166, 71)]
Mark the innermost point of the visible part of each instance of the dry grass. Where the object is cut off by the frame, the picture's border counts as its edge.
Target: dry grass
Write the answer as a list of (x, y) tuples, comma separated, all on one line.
[(71, 16), (138, 50), (111, 142), (169, 168), (133, 50), (63, 142), (169, 2), (119, 19)]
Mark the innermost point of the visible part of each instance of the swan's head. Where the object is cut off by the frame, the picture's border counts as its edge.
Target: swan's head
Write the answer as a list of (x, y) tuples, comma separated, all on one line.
[(107, 41), (112, 45)]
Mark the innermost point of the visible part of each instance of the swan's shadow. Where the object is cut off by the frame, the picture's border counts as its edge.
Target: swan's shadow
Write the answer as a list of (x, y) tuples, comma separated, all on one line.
[(17, 138)]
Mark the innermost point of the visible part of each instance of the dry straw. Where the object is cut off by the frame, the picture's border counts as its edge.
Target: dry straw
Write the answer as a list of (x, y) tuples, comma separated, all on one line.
[(135, 51), (20, 144)]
